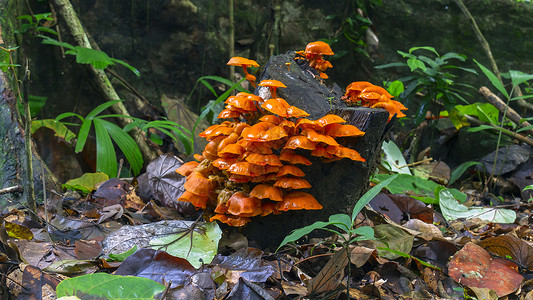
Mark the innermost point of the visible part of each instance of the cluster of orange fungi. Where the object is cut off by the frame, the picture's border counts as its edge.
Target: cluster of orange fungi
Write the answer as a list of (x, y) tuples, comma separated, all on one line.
[(249, 166), (313, 53), (363, 93)]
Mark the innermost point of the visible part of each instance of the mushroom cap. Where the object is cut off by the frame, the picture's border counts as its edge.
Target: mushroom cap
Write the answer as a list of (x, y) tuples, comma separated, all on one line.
[(215, 130), (296, 112), (231, 221), (198, 157), (197, 184), (391, 107), (267, 191), (231, 150), (318, 47), (229, 114), (287, 182), (268, 207), (357, 86), (330, 119), (197, 201), (299, 141), (290, 170), (241, 204), (270, 118), (376, 89), (223, 163), (306, 123), (187, 168), (262, 159), (212, 146), (260, 147), (230, 139), (290, 156), (344, 152), (342, 130), (248, 169), (298, 200), (272, 83), (239, 61), (277, 106), (241, 102), (254, 133), (319, 138), (321, 151), (249, 96), (239, 178)]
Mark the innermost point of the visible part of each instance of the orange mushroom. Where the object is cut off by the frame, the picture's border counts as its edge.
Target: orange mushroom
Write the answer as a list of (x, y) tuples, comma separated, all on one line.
[(290, 156), (287, 182), (223, 163), (313, 53), (290, 170), (299, 141), (231, 221), (277, 106), (187, 168), (241, 204), (196, 200), (342, 130), (268, 208), (273, 85), (267, 191), (298, 200), (244, 63), (263, 159), (344, 152), (198, 184), (319, 138)]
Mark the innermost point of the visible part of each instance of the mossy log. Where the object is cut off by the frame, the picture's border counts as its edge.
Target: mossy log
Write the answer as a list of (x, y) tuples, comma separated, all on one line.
[(336, 185)]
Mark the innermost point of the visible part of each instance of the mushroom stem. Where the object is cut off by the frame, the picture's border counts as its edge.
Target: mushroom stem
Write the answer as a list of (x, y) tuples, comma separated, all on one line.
[(249, 77)]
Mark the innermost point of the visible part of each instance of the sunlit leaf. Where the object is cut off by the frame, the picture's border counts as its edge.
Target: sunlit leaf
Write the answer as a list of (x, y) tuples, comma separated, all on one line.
[(393, 158), (493, 79), (519, 77), (87, 182), (122, 256), (106, 286), (452, 210), (59, 129), (18, 231)]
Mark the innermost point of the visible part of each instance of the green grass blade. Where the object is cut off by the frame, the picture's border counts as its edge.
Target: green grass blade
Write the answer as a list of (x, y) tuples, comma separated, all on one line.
[(83, 134), (100, 108), (493, 79)]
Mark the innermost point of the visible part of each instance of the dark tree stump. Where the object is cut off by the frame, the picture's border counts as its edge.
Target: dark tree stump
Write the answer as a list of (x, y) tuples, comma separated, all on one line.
[(337, 185)]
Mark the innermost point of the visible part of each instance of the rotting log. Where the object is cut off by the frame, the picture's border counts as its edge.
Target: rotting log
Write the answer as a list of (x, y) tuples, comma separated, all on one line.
[(337, 185), (13, 156)]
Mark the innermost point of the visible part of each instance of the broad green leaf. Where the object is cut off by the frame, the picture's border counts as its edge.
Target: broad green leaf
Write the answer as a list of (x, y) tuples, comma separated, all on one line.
[(452, 210), (98, 59), (126, 143), (393, 236), (122, 256), (368, 196), (50, 41), (458, 171), (493, 79), (342, 221), (396, 88), (363, 233), (201, 249), (36, 104), (100, 108), (519, 77), (86, 183), (529, 187), (450, 55), (393, 159), (106, 159), (58, 128), (83, 134), (106, 286), (414, 64)]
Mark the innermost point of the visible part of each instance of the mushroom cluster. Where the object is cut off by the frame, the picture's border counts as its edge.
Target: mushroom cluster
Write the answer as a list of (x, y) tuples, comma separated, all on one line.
[(313, 53), (363, 93), (250, 165)]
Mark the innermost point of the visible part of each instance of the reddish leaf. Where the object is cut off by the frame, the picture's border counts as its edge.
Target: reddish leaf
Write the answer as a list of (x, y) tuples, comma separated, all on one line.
[(413, 208), (510, 246), (158, 266), (474, 267)]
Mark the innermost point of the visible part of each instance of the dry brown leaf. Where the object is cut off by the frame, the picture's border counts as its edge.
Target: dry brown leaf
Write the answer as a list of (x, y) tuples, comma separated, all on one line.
[(360, 255), (330, 276), (510, 246), (427, 231)]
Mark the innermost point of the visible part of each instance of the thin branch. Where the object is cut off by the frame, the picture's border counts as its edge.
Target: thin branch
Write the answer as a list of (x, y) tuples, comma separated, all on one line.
[(503, 130)]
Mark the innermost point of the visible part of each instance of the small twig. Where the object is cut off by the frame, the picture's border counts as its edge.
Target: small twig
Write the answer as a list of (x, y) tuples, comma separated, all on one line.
[(417, 163), (11, 189), (505, 131), (504, 108)]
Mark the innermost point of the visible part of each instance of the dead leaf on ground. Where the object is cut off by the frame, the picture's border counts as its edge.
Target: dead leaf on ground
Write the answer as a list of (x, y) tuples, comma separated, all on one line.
[(474, 267), (510, 246), (330, 276)]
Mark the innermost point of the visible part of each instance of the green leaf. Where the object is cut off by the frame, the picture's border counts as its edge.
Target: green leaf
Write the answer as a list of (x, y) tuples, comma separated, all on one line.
[(122, 256), (100, 108), (406, 255), (452, 210), (450, 55), (493, 79), (58, 128), (391, 65), (69, 114), (86, 183), (368, 196), (106, 286), (458, 171), (414, 64), (202, 248), (127, 145), (519, 77), (428, 48), (396, 88), (98, 59), (133, 69), (529, 187), (363, 233), (525, 128), (343, 220), (50, 41), (393, 236), (106, 160), (83, 134), (393, 159), (300, 232)]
